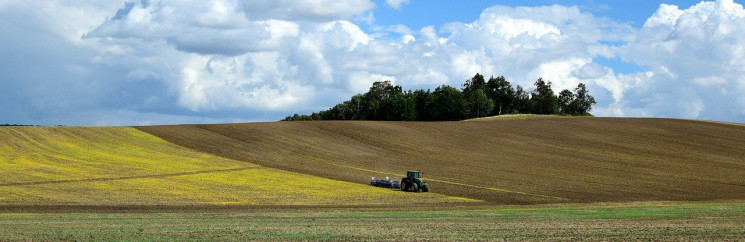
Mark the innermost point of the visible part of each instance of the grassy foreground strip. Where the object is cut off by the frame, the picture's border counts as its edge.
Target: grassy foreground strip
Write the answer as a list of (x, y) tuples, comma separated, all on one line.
[(669, 222)]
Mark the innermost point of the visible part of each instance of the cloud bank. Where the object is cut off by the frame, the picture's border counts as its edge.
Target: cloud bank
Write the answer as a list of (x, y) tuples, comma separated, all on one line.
[(154, 61), (696, 62)]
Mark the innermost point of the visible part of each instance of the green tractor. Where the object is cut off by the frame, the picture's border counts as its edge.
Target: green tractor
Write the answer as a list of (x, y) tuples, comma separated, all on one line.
[(413, 183)]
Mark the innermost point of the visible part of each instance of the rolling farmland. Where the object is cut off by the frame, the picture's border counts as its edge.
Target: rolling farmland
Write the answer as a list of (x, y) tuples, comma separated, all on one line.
[(517, 178), (516, 161), (122, 166), (519, 160)]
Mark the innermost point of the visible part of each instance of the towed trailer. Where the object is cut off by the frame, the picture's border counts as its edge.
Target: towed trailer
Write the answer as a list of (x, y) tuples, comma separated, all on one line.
[(386, 183)]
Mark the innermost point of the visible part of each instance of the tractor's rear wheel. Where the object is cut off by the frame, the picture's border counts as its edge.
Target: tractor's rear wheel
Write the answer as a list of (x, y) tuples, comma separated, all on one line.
[(414, 187), (403, 186)]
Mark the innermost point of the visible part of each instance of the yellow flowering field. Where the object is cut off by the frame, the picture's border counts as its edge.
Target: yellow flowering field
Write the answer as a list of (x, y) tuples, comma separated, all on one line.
[(125, 166)]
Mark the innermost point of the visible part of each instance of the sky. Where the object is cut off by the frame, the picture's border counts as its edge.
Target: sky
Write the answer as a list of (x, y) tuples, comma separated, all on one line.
[(149, 62)]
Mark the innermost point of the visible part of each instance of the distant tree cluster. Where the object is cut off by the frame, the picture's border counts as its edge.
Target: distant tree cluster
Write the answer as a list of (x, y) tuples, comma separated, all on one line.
[(477, 98), (16, 125)]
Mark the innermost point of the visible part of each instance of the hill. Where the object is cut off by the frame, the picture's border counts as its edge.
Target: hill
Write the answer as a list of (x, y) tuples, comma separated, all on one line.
[(511, 161), (122, 166)]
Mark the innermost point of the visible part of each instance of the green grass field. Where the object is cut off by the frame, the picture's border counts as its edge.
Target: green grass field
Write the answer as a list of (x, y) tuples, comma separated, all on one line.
[(648, 222)]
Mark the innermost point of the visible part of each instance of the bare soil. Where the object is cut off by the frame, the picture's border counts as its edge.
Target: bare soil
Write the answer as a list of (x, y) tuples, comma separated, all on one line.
[(525, 161)]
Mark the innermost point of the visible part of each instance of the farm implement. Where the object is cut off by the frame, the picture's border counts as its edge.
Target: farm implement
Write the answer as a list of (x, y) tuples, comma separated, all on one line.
[(386, 183)]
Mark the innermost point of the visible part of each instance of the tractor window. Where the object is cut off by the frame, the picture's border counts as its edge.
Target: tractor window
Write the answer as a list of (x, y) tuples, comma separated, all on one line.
[(414, 174)]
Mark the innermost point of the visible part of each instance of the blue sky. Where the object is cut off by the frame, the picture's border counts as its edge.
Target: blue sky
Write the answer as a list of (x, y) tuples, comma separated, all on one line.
[(418, 14), (186, 61)]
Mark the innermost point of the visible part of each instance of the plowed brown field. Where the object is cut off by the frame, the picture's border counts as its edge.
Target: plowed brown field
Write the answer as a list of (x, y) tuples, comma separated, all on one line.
[(121, 168), (522, 161)]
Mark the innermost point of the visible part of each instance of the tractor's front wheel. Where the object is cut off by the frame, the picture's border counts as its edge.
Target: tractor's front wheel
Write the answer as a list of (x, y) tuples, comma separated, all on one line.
[(414, 187), (425, 188)]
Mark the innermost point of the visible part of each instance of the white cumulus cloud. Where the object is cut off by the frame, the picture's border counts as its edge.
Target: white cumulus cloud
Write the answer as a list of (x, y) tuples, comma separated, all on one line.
[(227, 60), (697, 60), (396, 4)]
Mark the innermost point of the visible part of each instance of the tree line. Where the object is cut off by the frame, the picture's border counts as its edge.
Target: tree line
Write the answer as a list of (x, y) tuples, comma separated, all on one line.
[(477, 98)]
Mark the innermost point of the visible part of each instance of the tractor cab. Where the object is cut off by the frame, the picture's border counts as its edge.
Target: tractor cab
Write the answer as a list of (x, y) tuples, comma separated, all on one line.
[(412, 174)]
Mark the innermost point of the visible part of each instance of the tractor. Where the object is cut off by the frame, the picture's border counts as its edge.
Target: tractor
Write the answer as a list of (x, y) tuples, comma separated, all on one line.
[(413, 183)]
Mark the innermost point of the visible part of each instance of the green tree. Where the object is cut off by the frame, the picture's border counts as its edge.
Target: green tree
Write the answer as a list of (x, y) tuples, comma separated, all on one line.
[(475, 83), (357, 110), (384, 101), (583, 101), (479, 104), (298, 117), (447, 104), (421, 99), (340, 112), (500, 91), (474, 91), (410, 112), (372, 99), (543, 98), (522, 101), (398, 107), (566, 102)]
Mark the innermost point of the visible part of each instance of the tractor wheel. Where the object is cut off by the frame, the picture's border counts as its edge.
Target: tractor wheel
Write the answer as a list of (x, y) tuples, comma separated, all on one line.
[(403, 186), (425, 188), (414, 187)]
